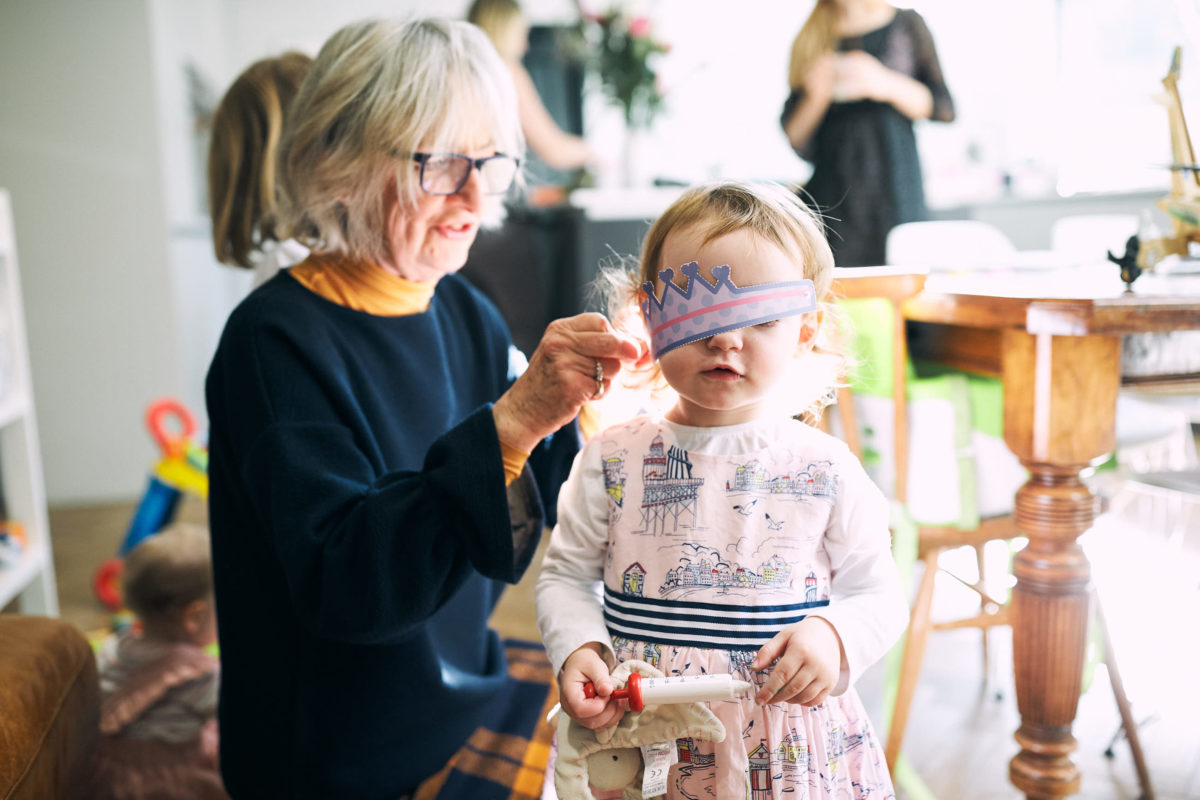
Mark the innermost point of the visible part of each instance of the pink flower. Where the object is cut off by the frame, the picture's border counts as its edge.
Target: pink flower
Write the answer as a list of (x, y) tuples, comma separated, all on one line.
[(639, 27)]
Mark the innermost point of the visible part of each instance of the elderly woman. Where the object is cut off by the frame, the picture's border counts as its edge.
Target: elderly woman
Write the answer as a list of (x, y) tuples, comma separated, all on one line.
[(376, 450)]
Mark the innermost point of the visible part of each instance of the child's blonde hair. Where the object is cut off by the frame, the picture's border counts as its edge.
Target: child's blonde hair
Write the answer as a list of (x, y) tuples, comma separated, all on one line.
[(766, 209), (168, 571), (241, 156), (717, 209)]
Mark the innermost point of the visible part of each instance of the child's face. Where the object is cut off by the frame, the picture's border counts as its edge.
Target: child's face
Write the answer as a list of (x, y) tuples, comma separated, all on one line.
[(726, 379), (200, 622)]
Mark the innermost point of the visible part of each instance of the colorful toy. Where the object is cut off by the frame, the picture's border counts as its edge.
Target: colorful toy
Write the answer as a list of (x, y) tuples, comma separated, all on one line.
[(12, 542), (652, 691), (12, 535), (680, 689), (182, 468)]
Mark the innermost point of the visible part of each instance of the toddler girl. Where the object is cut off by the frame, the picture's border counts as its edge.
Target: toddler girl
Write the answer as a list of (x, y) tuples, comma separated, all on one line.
[(727, 536), (159, 686)]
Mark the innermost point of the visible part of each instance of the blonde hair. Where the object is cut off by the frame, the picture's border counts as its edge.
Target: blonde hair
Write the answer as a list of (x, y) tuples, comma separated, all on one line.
[(379, 91), (495, 17), (767, 209), (241, 156), (817, 36), (717, 209), (167, 571)]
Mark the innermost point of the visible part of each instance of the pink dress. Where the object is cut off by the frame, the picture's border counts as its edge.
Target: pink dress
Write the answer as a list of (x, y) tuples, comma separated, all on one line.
[(716, 539)]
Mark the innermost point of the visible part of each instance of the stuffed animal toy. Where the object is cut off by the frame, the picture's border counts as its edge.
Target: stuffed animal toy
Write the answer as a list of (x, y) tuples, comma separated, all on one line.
[(610, 759)]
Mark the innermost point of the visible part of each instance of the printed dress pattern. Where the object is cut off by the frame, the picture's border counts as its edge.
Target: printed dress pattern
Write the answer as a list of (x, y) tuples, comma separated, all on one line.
[(709, 556)]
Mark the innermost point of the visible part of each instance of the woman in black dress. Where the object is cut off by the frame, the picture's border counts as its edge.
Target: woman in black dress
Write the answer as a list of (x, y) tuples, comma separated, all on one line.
[(861, 72)]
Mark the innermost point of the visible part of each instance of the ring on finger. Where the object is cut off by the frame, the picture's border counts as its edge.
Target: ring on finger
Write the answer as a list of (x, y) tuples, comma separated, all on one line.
[(599, 375)]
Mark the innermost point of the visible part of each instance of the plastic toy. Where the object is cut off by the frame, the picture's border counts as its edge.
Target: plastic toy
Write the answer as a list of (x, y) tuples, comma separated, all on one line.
[(12, 542), (182, 468), (652, 691), (683, 689), (12, 536)]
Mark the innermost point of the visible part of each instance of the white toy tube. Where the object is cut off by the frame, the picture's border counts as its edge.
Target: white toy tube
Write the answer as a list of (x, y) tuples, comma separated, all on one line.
[(643, 692)]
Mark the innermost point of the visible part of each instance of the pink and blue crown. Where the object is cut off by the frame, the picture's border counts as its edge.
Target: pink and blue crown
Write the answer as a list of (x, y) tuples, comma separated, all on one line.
[(705, 309)]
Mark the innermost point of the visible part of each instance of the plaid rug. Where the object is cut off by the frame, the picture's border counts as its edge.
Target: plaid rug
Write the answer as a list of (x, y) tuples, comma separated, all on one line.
[(506, 759)]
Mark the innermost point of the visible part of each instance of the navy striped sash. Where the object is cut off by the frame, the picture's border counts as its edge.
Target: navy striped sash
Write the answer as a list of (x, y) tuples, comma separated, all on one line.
[(710, 625)]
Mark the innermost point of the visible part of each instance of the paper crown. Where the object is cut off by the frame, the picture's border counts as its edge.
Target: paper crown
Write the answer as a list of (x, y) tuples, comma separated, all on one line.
[(705, 309)]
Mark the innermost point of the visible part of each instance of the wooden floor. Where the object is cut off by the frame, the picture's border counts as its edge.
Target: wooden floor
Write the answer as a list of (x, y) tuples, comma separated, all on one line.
[(959, 739)]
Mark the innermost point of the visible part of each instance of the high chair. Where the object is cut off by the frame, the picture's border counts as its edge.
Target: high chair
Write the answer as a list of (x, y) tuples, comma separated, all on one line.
[(873, 298)]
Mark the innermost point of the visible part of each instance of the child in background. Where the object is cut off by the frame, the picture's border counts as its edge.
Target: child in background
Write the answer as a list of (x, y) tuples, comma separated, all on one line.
[(726, 536), (241, 167), (506, 25), (159, 686)]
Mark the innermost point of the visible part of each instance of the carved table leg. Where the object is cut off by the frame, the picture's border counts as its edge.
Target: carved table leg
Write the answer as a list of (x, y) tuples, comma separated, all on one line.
[(1060, 407)]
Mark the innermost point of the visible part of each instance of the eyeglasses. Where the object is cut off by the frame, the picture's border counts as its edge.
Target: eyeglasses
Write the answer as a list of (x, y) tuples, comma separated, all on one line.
[(447, 173)]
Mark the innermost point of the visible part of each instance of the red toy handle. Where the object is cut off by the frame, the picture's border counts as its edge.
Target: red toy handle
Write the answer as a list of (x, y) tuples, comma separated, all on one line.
[(107, 582), (632, 691), (172, 444)]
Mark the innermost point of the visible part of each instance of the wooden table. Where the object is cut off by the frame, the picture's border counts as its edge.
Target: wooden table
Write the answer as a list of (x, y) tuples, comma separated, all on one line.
[(1054, 336)]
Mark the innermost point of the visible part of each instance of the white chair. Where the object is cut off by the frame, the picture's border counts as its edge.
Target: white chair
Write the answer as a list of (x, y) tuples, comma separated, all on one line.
[(1157, 479), (1087, 238), (949, 244)]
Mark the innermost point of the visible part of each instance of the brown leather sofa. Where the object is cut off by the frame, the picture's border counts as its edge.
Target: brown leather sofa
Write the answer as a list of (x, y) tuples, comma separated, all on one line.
[(49, 708)]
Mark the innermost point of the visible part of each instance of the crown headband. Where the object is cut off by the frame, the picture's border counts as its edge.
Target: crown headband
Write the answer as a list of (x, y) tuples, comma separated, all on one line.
[(684, 316)]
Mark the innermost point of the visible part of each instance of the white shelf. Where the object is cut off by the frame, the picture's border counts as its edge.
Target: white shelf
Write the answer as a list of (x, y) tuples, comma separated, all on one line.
[(30, 581), (15, 578), (13, 408)]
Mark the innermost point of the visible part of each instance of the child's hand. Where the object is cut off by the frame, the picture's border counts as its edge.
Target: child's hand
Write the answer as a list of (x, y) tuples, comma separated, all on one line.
[(810, 662), (601, 711)]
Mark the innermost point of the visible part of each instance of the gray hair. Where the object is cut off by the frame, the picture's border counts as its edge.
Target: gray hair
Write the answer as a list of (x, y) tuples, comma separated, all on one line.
[(379, 91)]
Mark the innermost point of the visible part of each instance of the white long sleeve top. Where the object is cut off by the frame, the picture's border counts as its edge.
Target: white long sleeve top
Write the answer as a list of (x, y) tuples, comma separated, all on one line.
[(866, 603)]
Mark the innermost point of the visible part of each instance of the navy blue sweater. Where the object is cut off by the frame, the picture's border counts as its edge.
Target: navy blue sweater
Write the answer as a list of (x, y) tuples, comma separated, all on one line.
[(361, 531)]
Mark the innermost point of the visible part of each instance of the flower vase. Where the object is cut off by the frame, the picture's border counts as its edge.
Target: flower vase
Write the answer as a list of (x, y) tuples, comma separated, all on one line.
[(631, 158)]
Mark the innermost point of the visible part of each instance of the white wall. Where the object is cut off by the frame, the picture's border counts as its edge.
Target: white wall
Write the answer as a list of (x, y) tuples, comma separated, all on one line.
[(79, 151)]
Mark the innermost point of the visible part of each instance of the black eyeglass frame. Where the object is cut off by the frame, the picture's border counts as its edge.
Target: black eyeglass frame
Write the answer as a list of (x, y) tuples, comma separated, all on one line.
[(476, 163)]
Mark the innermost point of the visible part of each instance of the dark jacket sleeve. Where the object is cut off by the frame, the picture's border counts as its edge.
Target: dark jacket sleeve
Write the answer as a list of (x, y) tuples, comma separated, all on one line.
[(367, 553), (929, 69)]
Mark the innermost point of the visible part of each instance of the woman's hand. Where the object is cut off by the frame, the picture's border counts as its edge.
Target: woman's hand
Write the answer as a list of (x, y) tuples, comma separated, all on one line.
[(860, 76), (810, 662), (561, 377), (821, 77), (582, 666)]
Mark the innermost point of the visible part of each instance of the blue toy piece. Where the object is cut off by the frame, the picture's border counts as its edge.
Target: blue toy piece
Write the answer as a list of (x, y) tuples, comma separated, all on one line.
[(156, 509), (183, 468)]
